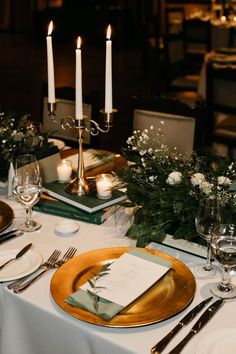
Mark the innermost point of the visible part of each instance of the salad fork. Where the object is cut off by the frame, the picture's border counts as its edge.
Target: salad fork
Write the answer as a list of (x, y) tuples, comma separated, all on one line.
[(53, 258)]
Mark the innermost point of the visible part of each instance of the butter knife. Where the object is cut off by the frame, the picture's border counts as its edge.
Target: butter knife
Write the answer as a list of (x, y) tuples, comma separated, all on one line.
[(160, 346), (201, 322)]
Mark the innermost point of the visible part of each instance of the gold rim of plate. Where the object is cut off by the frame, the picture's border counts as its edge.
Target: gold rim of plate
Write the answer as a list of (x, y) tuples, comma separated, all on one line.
[(6, 216), (170, 295)]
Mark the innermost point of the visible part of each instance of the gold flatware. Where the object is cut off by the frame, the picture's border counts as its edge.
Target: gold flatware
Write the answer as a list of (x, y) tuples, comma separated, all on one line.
[(160, 346), (201, 322), (18, 255)]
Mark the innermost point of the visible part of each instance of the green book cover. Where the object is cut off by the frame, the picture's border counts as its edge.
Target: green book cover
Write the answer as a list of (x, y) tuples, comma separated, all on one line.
[(59, 208), (88, 202)]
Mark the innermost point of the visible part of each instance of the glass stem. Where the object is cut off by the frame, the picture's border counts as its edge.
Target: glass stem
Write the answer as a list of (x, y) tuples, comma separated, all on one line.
[(28, 220), (225, 284), (208, 265)]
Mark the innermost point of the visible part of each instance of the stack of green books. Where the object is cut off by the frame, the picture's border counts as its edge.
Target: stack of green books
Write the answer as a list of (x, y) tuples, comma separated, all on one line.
[(57, 207)]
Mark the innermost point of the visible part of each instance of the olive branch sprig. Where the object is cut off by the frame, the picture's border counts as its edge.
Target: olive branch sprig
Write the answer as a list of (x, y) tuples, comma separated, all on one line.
[(93, 283)]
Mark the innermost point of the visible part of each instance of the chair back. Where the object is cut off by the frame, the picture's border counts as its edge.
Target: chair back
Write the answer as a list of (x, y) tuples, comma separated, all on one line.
[(65, 107), (172, 112), (177, 130), (197, 35), (174, 20), (177, 76), (221, 103)]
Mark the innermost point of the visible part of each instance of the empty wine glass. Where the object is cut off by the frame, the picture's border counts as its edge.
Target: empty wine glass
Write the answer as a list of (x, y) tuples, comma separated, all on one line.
[(207, 218), (223, 245), (27, 187)]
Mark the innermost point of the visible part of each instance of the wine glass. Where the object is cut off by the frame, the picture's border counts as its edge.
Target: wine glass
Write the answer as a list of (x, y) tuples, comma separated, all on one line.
[(27, 187), (207, 218), (223, 245)]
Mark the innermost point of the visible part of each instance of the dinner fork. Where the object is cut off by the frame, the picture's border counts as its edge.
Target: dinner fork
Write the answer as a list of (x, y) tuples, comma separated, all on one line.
[(53, 256), (68, 255)]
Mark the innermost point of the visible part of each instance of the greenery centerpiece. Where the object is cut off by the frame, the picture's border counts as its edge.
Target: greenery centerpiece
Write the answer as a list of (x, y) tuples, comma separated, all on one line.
[(18, 134), (164, 187)]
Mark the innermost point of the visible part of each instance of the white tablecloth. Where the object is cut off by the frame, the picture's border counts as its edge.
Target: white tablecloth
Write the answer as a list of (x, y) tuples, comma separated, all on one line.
[(31, 322)]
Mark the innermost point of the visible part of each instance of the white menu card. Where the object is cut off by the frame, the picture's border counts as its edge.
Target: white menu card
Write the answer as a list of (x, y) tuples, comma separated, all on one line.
[(129, 277)]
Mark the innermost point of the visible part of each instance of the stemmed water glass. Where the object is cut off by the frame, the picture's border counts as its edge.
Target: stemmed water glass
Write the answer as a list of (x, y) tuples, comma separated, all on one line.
[(223, 245), (27, 187), (209, 215)]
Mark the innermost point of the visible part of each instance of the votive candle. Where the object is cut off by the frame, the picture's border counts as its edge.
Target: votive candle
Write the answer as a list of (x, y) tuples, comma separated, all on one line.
[(64, 170), (104, 185)]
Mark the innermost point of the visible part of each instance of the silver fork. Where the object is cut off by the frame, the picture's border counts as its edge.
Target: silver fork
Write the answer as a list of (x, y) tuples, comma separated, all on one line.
[(42, 267), (68, 255)]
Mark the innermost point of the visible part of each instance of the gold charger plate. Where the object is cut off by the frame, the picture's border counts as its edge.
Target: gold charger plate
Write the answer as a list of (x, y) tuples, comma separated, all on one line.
[(170, 295), (6, 216)]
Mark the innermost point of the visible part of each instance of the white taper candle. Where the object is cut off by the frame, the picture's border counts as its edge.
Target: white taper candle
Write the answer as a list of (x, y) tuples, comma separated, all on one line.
[(108, 74), (78, 82), (50, 65)]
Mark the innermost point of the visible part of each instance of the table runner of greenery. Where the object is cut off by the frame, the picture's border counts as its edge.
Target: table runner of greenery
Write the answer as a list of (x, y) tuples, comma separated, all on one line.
[(164, 187)]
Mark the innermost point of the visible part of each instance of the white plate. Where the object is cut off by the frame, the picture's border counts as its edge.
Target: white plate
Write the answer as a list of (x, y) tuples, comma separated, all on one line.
[(218, 342), (16, 269), (59, 143)]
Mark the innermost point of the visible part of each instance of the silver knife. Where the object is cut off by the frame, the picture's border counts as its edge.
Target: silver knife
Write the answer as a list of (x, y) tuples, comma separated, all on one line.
[(7, 233), (160, 346), (12, 235), (201, 322)]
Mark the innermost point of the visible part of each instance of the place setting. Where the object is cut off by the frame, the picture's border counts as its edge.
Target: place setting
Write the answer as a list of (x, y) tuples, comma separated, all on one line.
[(35, 271), (171, 281)]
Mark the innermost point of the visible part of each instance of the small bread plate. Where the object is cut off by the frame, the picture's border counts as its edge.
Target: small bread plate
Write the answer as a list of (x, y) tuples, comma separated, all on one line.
[(164, 299), (16, 269), (218, 342)]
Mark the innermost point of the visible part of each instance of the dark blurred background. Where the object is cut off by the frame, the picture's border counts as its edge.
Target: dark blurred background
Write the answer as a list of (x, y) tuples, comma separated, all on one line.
[(138, 65)]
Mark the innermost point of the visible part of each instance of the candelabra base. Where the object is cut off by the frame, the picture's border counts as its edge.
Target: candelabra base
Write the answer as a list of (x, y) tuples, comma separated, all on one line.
[(78, 186)]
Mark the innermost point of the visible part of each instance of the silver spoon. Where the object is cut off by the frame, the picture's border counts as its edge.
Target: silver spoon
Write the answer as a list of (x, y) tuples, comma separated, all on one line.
[(19, 254)]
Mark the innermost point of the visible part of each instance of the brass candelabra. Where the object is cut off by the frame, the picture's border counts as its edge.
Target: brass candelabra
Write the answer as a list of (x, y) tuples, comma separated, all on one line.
[(79, 185)]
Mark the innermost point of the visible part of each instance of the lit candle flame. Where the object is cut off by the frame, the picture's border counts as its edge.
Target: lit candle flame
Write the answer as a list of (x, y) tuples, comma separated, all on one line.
[(109, 32), (79, 42), (50, 28)]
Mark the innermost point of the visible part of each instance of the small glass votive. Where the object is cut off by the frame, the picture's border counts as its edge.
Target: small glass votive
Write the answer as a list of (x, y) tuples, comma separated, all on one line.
[(104, 185), (64, 171)]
